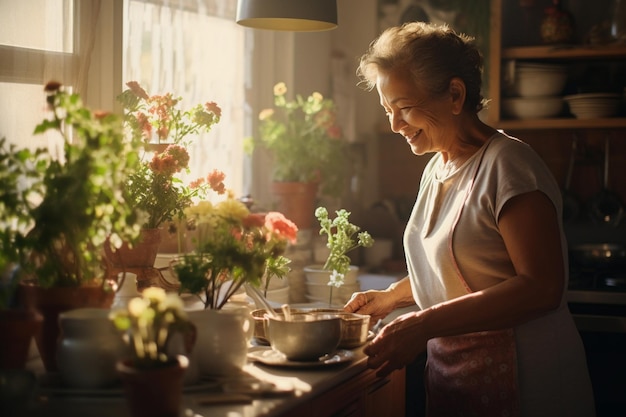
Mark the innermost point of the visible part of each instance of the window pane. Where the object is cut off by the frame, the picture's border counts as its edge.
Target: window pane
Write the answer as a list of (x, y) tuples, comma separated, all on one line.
[(51, 18), (199, 57), (18, 127)]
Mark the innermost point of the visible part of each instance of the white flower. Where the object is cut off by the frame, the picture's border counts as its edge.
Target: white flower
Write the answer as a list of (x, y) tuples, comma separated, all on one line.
[(336, 279)]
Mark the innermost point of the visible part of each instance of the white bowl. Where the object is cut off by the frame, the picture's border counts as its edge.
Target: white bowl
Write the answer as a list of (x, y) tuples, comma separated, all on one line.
[(593, 105), (532, 107), (535, 80)]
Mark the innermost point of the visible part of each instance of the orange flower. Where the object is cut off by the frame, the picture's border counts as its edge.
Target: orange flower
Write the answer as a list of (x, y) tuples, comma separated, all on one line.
[(137, 90), (212, 107), (216, 181)]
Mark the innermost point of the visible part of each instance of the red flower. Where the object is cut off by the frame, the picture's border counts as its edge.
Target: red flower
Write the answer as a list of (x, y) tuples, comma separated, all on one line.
[(253, 220)]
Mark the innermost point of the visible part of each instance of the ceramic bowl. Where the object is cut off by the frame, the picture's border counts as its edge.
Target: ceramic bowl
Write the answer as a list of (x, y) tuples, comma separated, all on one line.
[(535, 80), (532, 107), (306, 337)]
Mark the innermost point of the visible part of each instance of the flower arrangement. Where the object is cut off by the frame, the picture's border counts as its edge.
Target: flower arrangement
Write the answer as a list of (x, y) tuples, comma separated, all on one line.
[(149, 322), (305, 140), (59, 212), (233, 247), (342, 237), (154, 189)]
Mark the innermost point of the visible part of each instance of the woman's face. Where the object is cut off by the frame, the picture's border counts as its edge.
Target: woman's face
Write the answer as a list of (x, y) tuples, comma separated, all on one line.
[(426, 123)]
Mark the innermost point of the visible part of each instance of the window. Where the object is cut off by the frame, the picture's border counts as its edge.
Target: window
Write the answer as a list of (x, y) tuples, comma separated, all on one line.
[(191, 48)]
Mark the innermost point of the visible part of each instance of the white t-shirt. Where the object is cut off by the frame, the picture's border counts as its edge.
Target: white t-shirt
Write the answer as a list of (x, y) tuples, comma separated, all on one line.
[(453, 247)]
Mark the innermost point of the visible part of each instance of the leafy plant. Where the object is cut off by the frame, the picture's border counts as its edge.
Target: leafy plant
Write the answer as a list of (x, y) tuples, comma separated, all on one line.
[(148, 323), (342, 237), (72, 204), (305, 141), (233, 247), (154, 188)]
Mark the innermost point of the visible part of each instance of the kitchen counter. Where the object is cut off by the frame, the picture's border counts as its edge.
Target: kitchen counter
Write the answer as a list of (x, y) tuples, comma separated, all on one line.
[(313, 391)]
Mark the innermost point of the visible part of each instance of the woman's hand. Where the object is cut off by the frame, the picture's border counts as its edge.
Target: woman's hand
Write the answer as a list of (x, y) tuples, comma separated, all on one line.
[(373, 303), (398, 344), (378, 304)]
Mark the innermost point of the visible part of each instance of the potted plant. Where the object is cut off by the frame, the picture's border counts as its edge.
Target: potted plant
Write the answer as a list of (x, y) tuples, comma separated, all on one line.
[(308, 149), (234, 247), (342, 237), (155, 188), (18, 325), (153, 377), (76, 204)]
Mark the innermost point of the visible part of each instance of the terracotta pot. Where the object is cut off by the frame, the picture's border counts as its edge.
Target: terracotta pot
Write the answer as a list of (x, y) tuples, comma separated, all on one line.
[(296, 200), (17, 327), (142, 254), (50, 302), (153, 392)]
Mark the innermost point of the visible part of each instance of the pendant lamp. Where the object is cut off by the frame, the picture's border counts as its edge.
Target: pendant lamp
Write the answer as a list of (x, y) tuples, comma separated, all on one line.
[(288, 15)]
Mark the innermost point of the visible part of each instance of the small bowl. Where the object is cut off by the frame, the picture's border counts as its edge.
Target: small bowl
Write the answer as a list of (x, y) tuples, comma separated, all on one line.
[(532, 107), (306, 337)]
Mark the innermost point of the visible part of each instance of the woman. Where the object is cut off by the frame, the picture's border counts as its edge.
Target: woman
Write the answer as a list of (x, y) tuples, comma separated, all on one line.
[(485, 250)]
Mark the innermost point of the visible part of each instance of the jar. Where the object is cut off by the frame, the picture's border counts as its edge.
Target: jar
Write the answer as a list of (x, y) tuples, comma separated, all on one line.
[(89, 346)]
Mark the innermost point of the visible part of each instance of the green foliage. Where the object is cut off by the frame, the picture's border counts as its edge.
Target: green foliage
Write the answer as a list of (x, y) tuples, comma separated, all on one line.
[(305, 141), (74, 203)]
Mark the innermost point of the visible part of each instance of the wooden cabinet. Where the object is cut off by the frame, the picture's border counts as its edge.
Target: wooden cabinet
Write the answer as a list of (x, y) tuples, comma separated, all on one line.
[(365, 395), (510, 39)]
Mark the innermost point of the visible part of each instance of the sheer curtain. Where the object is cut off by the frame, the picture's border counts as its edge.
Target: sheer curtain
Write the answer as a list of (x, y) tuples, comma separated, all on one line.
[(39, 42)]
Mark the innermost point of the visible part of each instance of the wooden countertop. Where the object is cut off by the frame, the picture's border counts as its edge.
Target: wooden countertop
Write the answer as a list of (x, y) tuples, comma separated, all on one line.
[(207, 399)]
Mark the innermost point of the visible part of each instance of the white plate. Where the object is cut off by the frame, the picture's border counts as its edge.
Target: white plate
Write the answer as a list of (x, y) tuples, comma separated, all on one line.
[(268, 356)]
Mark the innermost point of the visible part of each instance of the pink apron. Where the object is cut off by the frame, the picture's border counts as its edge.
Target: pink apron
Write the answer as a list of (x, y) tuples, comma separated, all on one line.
[(472, 375)]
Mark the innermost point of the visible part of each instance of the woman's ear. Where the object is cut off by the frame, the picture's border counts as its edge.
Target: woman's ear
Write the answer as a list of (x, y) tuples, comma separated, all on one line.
[(457, 94)]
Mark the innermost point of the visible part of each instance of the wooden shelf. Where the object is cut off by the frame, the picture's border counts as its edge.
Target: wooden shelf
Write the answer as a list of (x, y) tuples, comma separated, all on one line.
[(563, 123), (565, 52)]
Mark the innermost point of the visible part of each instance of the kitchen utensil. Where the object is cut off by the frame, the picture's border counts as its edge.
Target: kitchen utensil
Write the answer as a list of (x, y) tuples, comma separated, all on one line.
[(259, 300), (606, 207), (571, 206), (286, 311), (354, 327)]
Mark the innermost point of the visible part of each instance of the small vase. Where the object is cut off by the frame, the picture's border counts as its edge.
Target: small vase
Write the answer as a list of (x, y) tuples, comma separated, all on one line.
[(222, 339), (50, 302), (318, 289), (89, 347), (153, 392), (557, 25)]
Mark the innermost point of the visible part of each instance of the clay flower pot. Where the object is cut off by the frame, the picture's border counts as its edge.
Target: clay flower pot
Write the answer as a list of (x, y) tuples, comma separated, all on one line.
[(154, 391)]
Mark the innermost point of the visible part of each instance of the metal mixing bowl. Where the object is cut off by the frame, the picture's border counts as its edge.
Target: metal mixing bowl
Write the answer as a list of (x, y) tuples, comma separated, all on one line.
[(306, 337)]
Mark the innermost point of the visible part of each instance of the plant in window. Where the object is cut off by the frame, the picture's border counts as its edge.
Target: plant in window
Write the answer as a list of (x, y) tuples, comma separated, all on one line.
[(154, 188), (77, 201)]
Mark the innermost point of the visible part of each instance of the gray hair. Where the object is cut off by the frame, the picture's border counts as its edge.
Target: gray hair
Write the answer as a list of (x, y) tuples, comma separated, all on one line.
[(433, 54)]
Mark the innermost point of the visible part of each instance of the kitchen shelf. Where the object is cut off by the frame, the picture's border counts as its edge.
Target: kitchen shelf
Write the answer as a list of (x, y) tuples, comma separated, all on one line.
[(500, 53), (565, 52), (563, 123)]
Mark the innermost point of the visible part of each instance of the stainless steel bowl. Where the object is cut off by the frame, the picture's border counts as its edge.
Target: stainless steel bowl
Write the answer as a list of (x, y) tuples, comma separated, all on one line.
[(354, 327), (306, 337)]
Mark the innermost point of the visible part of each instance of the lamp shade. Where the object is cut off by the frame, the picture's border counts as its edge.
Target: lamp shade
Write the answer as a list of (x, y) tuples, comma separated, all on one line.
[(288, 15)]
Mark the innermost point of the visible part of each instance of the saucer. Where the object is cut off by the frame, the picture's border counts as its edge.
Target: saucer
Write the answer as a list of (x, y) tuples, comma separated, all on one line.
[(268, 356)]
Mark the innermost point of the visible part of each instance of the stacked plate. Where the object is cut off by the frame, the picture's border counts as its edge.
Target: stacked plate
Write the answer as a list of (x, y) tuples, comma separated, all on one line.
[(534, 90), (593, 105)]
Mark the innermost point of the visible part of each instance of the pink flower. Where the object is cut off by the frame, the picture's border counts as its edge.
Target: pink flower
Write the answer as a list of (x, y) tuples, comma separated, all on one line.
[(280, 226), (216, 181)]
